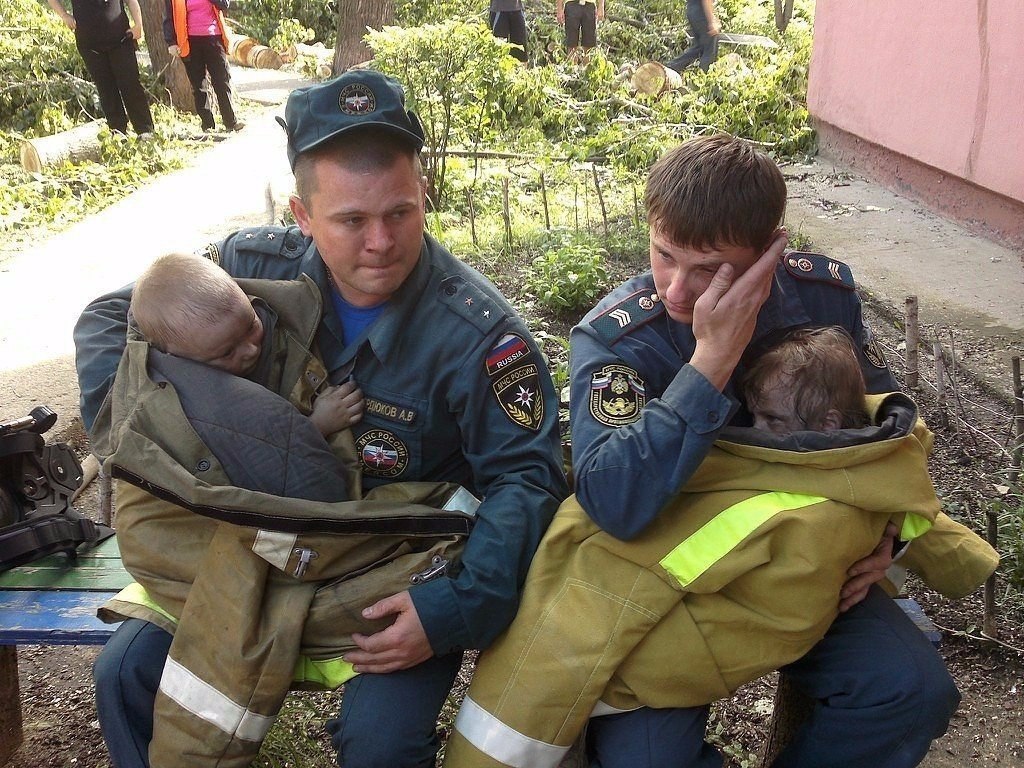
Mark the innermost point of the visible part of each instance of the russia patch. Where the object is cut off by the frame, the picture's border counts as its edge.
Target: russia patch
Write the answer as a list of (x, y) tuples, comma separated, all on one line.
[(509, 349)]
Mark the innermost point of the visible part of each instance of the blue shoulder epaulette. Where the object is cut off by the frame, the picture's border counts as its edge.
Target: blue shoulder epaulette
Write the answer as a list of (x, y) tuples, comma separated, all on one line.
[(466, 300), (818, 268), (632, 312)]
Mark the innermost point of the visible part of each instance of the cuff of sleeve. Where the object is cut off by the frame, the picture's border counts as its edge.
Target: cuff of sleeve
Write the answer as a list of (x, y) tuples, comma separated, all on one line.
[(703, 408), (438, 611)]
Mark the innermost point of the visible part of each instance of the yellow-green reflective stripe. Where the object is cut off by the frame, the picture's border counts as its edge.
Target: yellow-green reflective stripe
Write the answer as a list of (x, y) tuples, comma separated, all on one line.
[(137, 594), (722, 533), (328, 673), (914, 526)]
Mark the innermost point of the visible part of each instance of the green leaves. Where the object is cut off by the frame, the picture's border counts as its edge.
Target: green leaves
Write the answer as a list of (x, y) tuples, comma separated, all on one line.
[(571, 275)]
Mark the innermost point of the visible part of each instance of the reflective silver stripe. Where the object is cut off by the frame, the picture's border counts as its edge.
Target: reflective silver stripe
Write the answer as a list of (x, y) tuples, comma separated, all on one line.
[(607, 709), (506, 745), (207, 703), (274, 547)]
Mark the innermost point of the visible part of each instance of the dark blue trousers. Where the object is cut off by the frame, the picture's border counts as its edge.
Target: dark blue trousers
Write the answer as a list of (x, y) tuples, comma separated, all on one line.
[(703, 47), (882, 695), (385, 721)]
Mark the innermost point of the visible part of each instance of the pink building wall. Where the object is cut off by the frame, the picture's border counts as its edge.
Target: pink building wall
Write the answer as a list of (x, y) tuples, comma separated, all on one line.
[(928, 96)]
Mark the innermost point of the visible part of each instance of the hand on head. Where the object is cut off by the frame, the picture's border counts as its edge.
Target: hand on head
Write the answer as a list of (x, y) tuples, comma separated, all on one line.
[(725, 315)]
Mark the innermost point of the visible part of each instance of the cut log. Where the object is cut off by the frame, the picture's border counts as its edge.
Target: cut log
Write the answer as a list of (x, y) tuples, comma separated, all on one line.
[(77, 145), (238, 48), (654, 79), (262, 57)]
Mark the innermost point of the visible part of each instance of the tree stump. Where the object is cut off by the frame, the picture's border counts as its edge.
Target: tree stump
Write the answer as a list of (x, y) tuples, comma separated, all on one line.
[(792, 708), (80, 143), (654, 79)]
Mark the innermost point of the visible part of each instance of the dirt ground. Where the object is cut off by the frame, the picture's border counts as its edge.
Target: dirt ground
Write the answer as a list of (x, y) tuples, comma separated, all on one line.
[(973, 428)]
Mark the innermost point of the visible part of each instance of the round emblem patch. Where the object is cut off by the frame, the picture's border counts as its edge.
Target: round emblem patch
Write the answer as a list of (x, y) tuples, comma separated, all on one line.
[(805, 265), (382, 454), (647, 303), (357, 99)]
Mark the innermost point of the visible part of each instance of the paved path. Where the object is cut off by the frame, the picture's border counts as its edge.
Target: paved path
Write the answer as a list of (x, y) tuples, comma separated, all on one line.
[(894, 247)]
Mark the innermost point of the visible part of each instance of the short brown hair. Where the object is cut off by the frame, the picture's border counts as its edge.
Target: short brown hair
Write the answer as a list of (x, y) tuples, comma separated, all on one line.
[(180, 293), (715, 191), (363, 150), (822, 367)]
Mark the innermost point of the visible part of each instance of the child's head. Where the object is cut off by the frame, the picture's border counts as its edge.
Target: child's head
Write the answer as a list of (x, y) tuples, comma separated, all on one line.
[(716, 191), (188, 306), (811, 380)]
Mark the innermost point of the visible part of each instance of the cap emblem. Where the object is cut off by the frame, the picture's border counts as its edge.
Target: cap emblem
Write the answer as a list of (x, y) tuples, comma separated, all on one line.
[(357, 99)]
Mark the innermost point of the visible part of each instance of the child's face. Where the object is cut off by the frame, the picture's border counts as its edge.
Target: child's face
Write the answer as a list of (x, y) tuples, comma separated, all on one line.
[(775, 410), (232, 345)]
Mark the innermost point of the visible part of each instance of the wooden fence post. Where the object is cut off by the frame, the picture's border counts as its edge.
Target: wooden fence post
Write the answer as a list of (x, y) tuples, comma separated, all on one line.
[(544, 198), (940, 385), (600, 199), (913, 338), (472, 215), (506, 213)]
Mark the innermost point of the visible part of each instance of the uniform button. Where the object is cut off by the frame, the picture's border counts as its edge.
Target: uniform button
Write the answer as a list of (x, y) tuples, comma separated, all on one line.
[(712, 416), (202, 465), (450, 289)]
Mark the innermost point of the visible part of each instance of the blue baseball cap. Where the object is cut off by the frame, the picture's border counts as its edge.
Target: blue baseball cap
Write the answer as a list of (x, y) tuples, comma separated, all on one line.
[(359, 98)]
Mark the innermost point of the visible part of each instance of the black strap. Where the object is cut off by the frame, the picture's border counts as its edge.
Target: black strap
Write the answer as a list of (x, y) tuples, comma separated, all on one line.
[(44, 535), (408, 525)]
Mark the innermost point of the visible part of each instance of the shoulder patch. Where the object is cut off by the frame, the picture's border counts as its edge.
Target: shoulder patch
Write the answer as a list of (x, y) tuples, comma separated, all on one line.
[(211, 252), (818, 268), (873, 352), (287, 243), (632, 312), (617, 395), (515, 380), (465, 300)]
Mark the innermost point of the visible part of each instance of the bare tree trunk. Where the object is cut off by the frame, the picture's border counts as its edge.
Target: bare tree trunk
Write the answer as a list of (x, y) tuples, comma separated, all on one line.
[(354, 16), (169, 70)]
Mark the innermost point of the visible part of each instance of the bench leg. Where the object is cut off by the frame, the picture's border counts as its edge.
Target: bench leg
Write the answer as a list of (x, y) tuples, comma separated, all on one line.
[(10, 703)]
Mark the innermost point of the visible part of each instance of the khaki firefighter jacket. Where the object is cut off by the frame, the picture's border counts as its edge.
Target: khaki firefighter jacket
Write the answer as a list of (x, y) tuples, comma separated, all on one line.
[(738, 576), (255, 559)]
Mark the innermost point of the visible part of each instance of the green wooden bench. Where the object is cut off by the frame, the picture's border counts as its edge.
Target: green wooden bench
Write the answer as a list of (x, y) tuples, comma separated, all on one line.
[(52, 601)]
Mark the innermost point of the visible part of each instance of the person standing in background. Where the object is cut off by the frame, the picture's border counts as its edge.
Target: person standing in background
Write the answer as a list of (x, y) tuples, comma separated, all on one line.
[(579, 17), (195, 32), (107, 44), (508, 21), (704, 30)]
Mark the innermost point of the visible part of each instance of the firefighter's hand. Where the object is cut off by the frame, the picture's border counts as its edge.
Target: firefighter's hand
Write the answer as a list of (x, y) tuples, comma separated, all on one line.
[(868, 571), (402, 645), (174, 51), (724, 315)]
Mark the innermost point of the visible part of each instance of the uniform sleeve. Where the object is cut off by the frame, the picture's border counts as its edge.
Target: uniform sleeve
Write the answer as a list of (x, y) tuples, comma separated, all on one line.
[(627, 468), (100, 337), (518, 473)]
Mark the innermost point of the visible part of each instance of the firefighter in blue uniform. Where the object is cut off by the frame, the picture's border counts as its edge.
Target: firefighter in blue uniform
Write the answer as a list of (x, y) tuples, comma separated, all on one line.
[(456, 389), (652, 372)]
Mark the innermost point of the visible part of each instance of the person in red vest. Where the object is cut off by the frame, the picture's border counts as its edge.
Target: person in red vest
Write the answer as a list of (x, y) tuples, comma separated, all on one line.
[(195, 32)]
